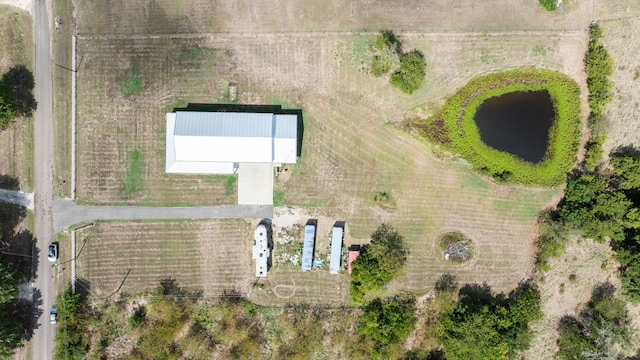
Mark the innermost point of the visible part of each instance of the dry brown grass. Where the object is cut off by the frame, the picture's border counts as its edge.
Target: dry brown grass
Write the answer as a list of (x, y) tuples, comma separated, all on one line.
[(107, 133), (212, 256), (567, 288), (16, 142), (196, 16), (622, 40)]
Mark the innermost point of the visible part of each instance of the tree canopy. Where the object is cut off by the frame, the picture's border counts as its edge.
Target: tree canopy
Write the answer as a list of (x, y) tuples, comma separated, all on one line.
[(16, 95), (496, 324), (388, 320), (378, 263), (408, 67)]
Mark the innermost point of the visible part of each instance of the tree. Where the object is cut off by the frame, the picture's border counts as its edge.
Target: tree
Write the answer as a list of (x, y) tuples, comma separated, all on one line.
[(8, 111), (18, 83), (388, 320), (410, 76), (378, 263), (10, 326), (74, 318), (496, 324)]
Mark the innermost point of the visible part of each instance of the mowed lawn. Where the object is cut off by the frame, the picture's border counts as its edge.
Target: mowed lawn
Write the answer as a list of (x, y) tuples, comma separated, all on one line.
[(209, 256), (353, 145)]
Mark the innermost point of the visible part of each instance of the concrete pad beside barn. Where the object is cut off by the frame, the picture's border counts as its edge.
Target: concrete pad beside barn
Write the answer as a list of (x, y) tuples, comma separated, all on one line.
[(255, 184)]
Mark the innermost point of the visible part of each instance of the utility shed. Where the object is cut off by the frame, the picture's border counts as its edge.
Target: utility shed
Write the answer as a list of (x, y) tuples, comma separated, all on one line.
[(261, 250), (308, 247), (335, 262), (354, 252)]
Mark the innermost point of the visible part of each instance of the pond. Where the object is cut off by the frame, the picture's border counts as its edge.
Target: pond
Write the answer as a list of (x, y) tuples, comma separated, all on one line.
[(517, 123)]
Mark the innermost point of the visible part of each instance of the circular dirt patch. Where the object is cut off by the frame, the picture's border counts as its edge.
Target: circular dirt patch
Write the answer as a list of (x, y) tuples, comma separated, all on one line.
[(456, 247)]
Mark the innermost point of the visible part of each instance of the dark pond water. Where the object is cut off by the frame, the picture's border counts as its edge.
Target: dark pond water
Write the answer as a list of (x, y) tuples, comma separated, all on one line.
[(517, 123)]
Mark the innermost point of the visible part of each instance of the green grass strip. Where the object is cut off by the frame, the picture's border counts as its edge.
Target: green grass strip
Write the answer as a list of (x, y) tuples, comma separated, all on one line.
[(133, 182)]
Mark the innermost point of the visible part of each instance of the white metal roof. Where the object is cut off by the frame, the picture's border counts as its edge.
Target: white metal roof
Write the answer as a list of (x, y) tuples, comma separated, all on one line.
[(336, 250), (194, 123), (214, 142), (307, 249)]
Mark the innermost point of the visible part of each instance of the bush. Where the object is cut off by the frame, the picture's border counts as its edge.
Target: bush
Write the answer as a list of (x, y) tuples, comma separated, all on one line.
[(385, 200), (410, 76), (598, 331), (387, 54), (594, 152), (455, 129), (599, 66), (550, 5), (551, 241)]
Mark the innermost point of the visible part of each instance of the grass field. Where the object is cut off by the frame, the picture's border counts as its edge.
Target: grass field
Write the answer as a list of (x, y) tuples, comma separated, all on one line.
[(196, 16), (622, 40), (62, 54), (124, 122), (16, 142), (212, 256), (342, 166)]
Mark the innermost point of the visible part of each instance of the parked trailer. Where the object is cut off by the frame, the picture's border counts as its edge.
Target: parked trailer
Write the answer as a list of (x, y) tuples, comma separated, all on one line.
[(308, 247), (261, 251), (335, 263)]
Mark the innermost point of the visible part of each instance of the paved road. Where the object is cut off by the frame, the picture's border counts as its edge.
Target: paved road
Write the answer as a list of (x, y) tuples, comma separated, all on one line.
[(67, 213), (43, 137)]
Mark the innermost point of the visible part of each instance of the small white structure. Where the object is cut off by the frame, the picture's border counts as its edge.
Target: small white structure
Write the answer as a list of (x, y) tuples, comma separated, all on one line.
[(335, 261), (308, 247), (261, 251)]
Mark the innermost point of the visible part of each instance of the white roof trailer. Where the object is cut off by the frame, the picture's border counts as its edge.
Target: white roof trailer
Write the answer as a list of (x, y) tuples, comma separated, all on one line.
[(261, 250), (335, 262), (307, 249)]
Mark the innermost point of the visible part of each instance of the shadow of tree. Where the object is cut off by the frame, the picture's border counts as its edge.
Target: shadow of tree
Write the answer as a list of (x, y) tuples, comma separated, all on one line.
[(170, 288), (16, 245), (17, 88), (9, 182)]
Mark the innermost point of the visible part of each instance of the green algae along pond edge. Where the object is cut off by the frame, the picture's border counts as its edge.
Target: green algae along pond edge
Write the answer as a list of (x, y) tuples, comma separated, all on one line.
[(453, 126)]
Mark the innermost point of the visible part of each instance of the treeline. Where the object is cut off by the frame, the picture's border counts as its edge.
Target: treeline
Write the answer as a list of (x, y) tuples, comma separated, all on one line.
[(599, 67), (171, 323), (601, 204), (16, 248)]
